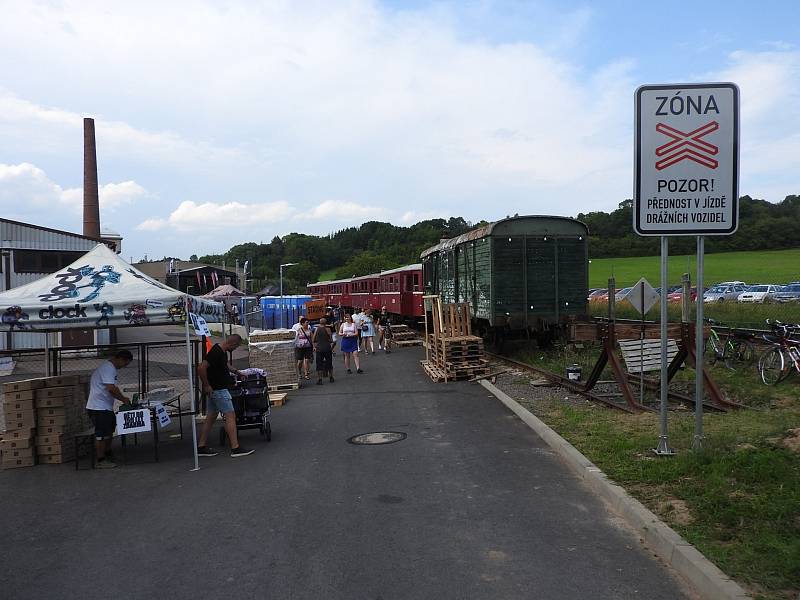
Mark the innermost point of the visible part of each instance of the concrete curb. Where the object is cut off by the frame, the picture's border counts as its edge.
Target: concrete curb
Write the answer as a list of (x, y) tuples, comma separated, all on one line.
[(696, 569)]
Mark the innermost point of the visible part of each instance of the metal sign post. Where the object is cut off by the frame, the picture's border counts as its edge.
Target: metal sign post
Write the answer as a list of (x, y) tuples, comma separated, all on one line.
[(663, 448), (699, 339), (686, 183)]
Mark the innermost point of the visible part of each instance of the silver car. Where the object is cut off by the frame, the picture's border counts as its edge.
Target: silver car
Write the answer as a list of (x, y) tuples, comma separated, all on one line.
[(723, 293), (759, 293), (788, 293)]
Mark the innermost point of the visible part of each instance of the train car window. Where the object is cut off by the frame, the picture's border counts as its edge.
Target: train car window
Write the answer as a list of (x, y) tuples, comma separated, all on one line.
[(416, 282)]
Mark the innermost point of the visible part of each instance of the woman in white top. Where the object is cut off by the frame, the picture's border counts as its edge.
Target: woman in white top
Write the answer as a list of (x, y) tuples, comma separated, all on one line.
[(348, 332)]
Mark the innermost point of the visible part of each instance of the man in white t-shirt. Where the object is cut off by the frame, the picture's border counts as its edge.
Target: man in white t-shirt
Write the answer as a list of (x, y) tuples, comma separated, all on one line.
[(358, 318), (103, 391)]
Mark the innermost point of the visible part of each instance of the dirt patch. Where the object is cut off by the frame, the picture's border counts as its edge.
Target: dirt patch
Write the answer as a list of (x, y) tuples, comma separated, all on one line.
[(792, 440), (677, 511)]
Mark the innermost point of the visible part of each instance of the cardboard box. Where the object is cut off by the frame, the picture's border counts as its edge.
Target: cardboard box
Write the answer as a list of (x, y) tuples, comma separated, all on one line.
[(48, 440), (68, 448), (50, 402), (19, 434), (23, 419), (58, 411), (15, 463), (15, 444), (17, 405), (51, 430), (56, 459), (61, 380), (9, 397), (21, 386), (18, 453), (45, 422), (55, 392)]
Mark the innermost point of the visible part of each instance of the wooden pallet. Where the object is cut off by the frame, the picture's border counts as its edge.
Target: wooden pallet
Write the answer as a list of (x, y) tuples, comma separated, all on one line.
[(406, 343), (283, 387), (436, 374), (278, 399)]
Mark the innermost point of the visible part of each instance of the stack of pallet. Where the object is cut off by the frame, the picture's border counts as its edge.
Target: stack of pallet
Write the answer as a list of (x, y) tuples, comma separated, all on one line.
[(273, 351), (403, 336), (453, 353), (42, 417)]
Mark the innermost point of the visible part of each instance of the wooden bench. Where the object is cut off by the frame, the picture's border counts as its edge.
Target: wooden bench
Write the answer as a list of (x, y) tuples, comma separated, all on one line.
[(645, 355)]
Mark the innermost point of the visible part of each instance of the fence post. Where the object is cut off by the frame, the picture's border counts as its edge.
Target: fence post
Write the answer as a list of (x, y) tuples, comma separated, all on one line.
[(612, 299), (686, 298)]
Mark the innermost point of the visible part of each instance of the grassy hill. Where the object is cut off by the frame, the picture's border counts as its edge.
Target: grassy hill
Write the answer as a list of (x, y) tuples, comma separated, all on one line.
[(761, 266)]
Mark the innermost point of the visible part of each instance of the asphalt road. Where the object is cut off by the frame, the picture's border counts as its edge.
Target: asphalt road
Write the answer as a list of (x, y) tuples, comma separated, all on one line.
[(471, 504)]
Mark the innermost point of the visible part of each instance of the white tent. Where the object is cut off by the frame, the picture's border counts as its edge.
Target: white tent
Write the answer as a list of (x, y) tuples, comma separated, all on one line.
[(98, 290), (101, 290)]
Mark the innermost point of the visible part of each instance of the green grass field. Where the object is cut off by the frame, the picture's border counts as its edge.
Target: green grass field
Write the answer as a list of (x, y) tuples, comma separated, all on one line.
[(328, 275), (765, 266)]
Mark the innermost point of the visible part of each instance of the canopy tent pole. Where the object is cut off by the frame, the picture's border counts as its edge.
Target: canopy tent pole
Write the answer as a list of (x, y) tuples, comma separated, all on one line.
[(191, 383), (47, 370)]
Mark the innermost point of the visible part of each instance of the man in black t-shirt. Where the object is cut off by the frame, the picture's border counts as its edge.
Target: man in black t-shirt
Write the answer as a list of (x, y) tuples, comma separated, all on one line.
[(215, 373)]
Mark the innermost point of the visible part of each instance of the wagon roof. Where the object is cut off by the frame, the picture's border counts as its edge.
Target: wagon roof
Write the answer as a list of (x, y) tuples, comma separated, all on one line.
[(484, 231)]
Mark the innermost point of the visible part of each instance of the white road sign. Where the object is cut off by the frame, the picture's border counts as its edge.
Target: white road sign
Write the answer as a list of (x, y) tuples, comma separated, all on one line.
[(687, 159), (642, 296)]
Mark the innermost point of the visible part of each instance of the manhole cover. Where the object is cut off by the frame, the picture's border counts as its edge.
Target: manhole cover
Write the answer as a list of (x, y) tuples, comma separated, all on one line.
[(377, 437)]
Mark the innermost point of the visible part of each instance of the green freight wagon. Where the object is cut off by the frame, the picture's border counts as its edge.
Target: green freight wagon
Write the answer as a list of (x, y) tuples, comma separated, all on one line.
[(521, 273)]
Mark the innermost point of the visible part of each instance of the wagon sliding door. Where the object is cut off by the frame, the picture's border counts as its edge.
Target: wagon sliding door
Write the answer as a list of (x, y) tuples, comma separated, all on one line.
[(508, 282), (572, 275), (541, 272)]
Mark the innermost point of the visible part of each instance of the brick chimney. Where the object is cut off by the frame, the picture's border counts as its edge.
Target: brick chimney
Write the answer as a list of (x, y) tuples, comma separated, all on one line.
[(91, 199)]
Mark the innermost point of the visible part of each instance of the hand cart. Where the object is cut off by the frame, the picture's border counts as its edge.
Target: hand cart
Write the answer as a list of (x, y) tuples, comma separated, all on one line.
[(251, 404)]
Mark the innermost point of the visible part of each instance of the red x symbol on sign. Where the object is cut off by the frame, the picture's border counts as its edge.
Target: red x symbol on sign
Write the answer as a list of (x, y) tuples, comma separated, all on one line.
[(687, 146)]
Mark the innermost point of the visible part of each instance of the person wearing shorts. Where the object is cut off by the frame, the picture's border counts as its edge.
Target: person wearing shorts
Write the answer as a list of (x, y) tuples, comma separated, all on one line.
[(385, 328), (215, 374), (103, 391), (348, 333), (303, 348), (323, 346)]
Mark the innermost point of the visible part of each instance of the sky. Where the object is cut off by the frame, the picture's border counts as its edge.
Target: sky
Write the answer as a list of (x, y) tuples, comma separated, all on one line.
[(228, 122)]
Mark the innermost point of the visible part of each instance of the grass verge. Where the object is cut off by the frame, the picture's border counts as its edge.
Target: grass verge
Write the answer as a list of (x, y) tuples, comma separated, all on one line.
[(737, 500)]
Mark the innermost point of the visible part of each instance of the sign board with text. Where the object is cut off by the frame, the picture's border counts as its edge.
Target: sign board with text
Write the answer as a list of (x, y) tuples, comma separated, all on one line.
[(133, 421), (687, 159)]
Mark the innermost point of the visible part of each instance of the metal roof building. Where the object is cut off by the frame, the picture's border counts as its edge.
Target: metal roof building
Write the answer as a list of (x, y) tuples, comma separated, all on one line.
[(29, 252)]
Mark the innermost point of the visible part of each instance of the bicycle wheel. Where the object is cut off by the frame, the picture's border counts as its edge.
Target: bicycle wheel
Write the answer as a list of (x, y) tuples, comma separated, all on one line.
[(738, 354), (771, 366), (713, 350)]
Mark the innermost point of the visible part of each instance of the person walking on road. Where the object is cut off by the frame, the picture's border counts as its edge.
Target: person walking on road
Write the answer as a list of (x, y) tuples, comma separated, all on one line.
[(323, 346), (385, 340), (348, 333), (215, 374), (368, 332), (103, 391), (303, 348)]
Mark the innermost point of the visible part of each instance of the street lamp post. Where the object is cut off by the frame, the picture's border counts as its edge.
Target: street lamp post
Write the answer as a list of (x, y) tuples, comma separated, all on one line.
[(281, 277)]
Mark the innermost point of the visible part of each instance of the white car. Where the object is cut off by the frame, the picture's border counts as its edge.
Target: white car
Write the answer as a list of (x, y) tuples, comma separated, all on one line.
[(758, 293)]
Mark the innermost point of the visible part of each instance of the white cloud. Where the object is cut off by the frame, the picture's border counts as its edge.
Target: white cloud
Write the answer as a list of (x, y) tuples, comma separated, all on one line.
[(27, 191), (345, 211), (114, 195), (211, 216), (770, 121), (410, 217)]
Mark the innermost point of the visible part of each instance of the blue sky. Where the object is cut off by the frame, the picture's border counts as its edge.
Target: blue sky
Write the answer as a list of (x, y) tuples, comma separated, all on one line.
[(220, 123)]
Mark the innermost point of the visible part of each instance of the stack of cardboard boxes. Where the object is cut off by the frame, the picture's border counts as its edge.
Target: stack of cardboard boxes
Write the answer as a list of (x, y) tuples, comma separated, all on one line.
[(42, 417)]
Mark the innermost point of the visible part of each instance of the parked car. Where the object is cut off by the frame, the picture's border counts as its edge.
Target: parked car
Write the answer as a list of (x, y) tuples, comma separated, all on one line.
[(677, 296), (723, 293), (759, 293), (600, 295), (620, 295), (788, 293)]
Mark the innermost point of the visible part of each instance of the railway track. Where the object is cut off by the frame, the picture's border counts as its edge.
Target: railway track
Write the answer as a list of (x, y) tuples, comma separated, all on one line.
[(601, 398)]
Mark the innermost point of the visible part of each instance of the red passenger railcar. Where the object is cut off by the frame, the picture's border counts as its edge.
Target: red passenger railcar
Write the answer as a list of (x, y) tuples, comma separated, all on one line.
[(399, 290)]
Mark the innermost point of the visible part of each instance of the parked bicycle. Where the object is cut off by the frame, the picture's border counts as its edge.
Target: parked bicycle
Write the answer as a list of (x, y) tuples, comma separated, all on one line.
[(777, 362), (733, 349)]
